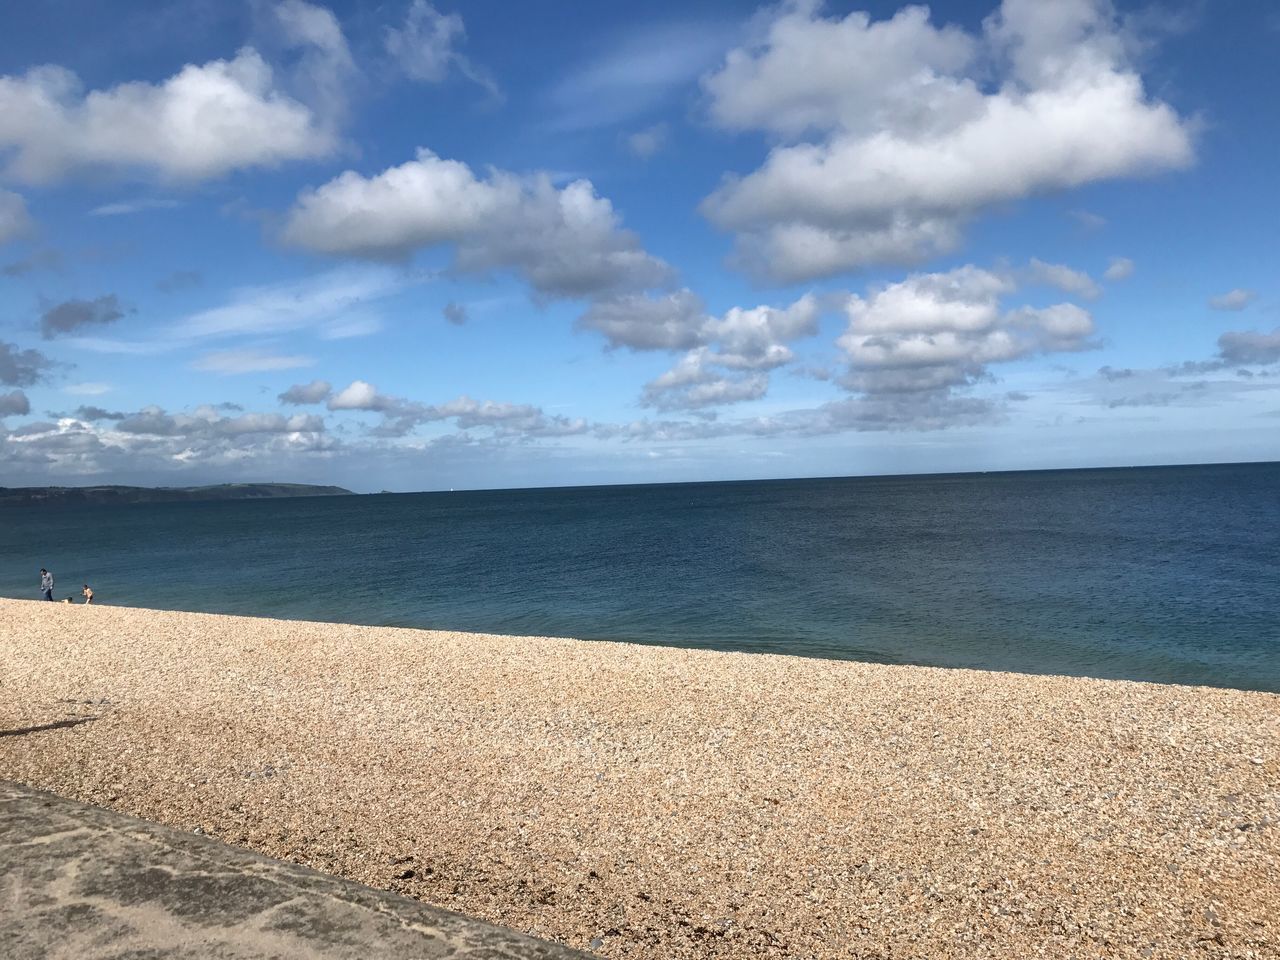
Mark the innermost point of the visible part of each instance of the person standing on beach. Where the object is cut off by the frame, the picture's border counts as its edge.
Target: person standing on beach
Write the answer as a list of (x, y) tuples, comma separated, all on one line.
[(46, 584), (88, 593)]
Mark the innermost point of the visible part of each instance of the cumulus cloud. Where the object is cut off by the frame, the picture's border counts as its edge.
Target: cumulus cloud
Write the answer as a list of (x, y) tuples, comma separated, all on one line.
[(203, 122), (206, 421), (14, 403), (694, 383), (14, 219), (911, 345), (426, 47), (673, 321), (132, 446), (893, 139), (400, 416), (249, 360), (93, 414), (317, 391), (566, 242), (1064, 278), (727, 357), (1249, 347), (1233, 300), (72, 315), (359, 395), (751, 338), (1120, 268), (21, 368)]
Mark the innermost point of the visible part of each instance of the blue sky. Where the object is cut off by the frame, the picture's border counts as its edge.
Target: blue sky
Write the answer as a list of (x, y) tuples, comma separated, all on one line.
[(421, 246)]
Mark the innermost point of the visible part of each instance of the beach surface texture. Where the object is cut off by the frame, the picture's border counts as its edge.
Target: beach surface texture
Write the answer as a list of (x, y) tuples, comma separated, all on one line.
[(662, 803)]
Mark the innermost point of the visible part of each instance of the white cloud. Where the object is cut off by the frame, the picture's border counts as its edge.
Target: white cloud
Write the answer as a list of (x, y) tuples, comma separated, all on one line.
[(1063, 278), (908, 141), (359, 395), (694, 384), (14, 219), (426, 47), (748, 338), (206, 421), (566, 242), (921, 338), (203, 122), (754, 339), (1120, 268), (401, 416), (810, 73), (1233, 300), (727, 357), (249, 360)]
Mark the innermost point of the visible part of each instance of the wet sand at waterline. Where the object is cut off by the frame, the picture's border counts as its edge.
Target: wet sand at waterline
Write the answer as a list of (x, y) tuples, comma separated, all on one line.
[(659, 802)]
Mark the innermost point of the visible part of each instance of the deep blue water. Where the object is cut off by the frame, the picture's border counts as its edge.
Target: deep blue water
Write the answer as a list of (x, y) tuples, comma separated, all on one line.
[(1169, 574)]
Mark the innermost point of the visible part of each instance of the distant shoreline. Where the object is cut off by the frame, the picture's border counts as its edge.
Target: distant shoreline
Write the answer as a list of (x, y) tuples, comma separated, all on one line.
[(656, 801), (112, 494)]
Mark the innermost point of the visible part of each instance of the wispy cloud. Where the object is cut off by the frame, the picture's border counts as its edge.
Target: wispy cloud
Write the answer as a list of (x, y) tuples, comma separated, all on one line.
[(637, 73), (123, 207), (323, 301), (249, 361), (1233, 300), (87, 389)]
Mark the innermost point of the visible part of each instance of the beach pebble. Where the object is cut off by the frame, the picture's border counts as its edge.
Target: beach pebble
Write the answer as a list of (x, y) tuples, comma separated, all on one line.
[(658, 803)]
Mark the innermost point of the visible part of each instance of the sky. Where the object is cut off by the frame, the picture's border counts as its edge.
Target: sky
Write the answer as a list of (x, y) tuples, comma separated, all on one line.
[(476, 244)]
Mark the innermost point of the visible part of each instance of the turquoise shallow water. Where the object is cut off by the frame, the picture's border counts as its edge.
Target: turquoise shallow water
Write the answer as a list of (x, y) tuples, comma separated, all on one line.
[(1169, 574)]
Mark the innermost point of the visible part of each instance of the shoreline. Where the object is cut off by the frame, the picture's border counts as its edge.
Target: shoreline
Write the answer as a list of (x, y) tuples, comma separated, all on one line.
[(652, 801)]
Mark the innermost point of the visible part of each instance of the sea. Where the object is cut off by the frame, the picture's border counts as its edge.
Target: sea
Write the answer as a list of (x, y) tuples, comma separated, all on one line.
[(1165, 574)]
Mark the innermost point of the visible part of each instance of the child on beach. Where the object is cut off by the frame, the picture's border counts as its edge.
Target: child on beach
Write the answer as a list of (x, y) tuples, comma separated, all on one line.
[(88, 593)]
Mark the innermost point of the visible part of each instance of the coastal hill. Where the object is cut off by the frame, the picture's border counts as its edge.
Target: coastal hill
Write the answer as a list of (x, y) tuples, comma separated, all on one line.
[(119, 494)]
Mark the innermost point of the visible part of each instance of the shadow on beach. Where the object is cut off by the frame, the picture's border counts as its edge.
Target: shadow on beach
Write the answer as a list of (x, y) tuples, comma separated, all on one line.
[(56, 725)]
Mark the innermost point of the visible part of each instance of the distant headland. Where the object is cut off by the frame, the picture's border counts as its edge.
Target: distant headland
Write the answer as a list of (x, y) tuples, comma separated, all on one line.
[(121, 494)]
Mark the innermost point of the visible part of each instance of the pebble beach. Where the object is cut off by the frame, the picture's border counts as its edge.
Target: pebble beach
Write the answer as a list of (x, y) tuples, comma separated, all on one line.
[(656, 802)]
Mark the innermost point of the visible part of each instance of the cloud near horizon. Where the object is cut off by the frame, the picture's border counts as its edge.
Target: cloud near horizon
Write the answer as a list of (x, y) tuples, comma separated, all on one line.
[(709, 242)]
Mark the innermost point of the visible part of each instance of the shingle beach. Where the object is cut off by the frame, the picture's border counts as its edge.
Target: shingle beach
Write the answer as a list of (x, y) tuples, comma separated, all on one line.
[(650, 802)]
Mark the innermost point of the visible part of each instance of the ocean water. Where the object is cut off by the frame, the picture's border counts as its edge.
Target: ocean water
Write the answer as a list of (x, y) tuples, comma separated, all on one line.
[(1170, 574)]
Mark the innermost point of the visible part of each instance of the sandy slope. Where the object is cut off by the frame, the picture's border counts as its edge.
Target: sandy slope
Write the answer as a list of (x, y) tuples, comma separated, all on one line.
[(652, 802)]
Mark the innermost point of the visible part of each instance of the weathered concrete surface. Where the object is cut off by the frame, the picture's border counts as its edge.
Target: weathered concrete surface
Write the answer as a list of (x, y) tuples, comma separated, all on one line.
[(81, 882)]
